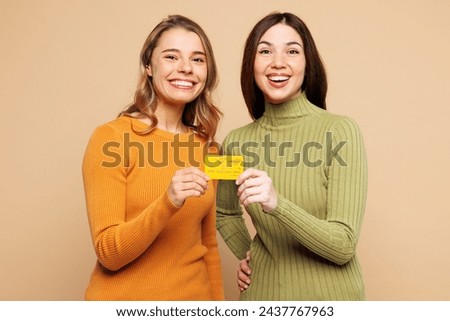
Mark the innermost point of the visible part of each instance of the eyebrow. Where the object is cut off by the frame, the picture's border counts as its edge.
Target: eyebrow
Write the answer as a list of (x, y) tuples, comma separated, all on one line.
[(179, 51), (290, 43)]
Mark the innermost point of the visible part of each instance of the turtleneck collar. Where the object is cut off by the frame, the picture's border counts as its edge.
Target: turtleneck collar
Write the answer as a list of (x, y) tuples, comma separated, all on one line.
[(289, 112)]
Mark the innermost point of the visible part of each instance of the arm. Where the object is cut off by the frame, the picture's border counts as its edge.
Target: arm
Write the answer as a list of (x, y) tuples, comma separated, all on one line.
[(334, 238), (118, 241)]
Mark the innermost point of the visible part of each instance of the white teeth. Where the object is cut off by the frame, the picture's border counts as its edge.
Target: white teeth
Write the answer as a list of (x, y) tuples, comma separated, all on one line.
[(278, 78), (182, 83)]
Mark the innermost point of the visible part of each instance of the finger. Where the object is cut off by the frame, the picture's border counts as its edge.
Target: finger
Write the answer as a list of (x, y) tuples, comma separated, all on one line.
[(243, 278), (187, 181), (199, 184), (251, 172), (242, 286), (257, 198), (193, 193), (251, 182), (189, 189), (198, 179), (242, 283), (194, 171), (178, 197), (245, 267), (256, 193), (180, 191)]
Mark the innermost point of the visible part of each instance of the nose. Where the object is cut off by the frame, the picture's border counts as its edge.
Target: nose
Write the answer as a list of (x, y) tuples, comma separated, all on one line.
[(184, 66), (278, 61)]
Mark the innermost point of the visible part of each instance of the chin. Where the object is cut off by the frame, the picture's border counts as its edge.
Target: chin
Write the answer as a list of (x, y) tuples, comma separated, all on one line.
[(277, 101), (282, 99)]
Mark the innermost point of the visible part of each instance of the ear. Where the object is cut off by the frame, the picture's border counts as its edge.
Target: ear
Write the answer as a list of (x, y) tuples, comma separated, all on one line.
[(149, 70)]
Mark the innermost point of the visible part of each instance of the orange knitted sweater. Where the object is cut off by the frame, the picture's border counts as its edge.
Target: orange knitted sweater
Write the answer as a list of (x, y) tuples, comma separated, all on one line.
[(147, 248)]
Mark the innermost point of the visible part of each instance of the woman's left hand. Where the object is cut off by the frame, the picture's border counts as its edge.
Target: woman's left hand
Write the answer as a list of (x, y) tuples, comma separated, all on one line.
[(243, 273), (255, 186)]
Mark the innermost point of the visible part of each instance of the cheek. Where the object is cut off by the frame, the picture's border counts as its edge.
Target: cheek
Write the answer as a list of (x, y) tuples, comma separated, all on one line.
[(258, 67), (203, 73), (302, 67), (258, 81), (258, 75), (202, 78)]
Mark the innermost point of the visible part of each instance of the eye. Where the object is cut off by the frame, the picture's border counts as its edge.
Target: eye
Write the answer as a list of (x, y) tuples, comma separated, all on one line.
[(199, 59), (264, 52), (170, 57), (293, 52)]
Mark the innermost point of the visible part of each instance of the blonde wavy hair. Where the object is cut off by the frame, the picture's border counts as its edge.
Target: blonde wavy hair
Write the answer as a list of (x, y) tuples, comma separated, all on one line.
[(201, 114)]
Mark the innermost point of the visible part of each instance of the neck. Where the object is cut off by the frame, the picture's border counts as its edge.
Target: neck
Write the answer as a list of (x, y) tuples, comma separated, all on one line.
[(170, 119), (289, 112)]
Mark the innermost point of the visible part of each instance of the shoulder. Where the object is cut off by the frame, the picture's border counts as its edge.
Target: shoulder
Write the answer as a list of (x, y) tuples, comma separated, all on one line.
[(112, 129), (238, 135), (241, 132), (341, 124)]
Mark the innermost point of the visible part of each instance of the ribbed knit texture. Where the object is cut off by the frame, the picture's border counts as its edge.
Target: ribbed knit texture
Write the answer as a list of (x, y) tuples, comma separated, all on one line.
[(305, 249), (147, 248)]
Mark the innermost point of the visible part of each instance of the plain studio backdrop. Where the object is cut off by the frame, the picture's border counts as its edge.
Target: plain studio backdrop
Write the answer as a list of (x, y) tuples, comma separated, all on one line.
[(69, 66)]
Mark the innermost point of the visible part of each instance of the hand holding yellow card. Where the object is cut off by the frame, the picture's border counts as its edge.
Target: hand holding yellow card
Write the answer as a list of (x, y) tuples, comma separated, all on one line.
[(224, 166)]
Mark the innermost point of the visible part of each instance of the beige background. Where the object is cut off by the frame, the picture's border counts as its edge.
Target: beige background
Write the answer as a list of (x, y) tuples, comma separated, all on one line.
[(68, 66)]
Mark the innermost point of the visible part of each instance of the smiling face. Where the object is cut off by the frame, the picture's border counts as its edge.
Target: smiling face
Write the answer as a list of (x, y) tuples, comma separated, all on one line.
[(178, 68), (279, 66)]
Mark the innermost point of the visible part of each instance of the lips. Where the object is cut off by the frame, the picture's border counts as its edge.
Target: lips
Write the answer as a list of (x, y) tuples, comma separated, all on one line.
[(278, 78), (278, 81), (182, 83)]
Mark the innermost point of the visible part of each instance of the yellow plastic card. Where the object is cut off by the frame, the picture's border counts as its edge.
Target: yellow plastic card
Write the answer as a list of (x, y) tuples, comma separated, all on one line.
[(224, 166)]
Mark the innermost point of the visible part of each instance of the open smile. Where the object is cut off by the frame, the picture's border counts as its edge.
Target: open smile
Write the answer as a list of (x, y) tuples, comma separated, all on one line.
[(278, 79), (182, 83)]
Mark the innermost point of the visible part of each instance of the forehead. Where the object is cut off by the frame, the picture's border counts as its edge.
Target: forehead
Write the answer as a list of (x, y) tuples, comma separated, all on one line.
[(179, 39), (281, 33)]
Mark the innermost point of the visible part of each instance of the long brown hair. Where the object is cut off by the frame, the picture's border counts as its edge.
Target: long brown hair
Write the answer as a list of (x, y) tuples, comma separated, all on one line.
[(315, 82), (201, 114)]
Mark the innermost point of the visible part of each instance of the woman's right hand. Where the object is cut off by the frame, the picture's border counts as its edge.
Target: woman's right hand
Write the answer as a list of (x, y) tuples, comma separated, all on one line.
[(243, 273), (186, 183), (255, 186)]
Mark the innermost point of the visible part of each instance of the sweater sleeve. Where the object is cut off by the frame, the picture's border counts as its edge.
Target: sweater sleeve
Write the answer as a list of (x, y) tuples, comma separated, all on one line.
[(334, 238), (117, 242), (212, 258), (230, 221)]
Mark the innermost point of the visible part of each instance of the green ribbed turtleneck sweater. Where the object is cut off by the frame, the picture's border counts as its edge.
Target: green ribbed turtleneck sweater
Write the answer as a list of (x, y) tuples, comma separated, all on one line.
[(305, 249)]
